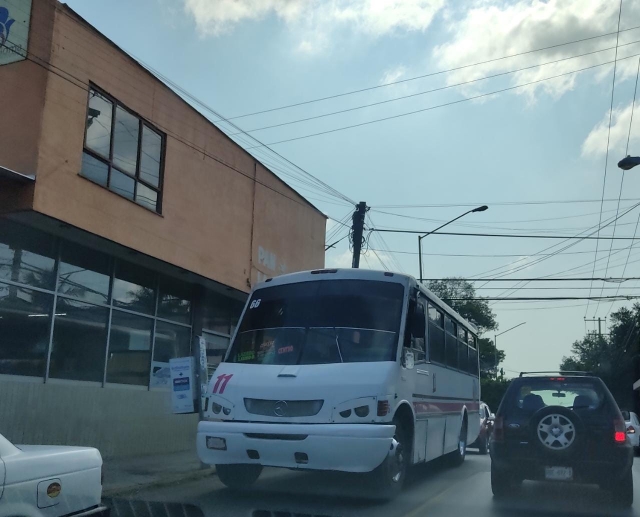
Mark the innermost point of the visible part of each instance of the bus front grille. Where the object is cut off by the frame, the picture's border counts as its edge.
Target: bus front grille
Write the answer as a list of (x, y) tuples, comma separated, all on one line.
[(283, 408)]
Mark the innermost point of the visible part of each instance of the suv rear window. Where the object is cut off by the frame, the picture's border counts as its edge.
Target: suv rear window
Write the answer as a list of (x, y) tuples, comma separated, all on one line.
[(530, 395)]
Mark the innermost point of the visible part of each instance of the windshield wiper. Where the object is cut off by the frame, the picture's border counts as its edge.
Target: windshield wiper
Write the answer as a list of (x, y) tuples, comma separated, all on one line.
[(338, 345)]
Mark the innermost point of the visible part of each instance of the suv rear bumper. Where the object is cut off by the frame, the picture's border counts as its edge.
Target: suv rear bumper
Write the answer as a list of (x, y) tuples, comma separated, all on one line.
[(604, 470)]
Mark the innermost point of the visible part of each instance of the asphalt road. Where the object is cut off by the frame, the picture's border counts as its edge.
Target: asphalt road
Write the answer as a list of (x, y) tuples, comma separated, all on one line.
[(433, 490)]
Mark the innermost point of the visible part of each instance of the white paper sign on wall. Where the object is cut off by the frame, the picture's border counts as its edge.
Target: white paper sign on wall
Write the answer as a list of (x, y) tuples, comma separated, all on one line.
[(182, 384), (15, 17)]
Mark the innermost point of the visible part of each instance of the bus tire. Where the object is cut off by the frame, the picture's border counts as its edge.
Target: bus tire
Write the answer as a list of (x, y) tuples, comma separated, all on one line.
[(457, 456), (238, 476), (483, 446), (389, 477)]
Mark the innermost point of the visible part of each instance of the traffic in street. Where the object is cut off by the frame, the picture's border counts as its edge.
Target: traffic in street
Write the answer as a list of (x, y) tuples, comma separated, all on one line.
[(433, 490)]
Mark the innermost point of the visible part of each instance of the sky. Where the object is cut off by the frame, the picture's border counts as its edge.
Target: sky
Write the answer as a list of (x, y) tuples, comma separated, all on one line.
[(527, 133)]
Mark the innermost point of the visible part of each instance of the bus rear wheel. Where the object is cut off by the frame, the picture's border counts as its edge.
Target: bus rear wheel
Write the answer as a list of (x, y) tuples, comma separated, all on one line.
[(457, 457), (238, 476), (389, 477)]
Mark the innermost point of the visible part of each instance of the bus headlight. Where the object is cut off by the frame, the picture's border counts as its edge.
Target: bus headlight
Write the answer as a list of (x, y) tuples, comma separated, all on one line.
[(355, 410)]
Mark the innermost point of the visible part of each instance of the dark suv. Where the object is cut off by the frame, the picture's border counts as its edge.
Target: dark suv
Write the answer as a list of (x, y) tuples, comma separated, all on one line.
[(562, 427)]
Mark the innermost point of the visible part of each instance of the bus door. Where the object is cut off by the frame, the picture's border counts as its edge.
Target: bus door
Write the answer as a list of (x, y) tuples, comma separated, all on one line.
[(416, 342)]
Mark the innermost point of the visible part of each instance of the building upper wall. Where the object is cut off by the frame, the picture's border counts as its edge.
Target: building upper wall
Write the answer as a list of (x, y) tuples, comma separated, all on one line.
[(216, 220)]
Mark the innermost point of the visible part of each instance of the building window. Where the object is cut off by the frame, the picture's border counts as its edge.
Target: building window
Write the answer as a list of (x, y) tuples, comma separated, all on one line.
[(26, 257), (129, 356), (122, 152), (79, 341), (25, 320)]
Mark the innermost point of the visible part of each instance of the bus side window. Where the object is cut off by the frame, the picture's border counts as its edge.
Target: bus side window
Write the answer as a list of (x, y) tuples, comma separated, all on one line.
[(418, 341), (436, 335), (451, 342)]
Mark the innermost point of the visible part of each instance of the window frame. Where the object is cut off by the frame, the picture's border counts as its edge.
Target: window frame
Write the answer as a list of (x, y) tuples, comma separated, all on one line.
[(142, 122)]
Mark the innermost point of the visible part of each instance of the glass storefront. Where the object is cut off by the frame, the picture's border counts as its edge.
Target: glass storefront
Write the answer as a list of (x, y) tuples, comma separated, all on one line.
[(70, 312)]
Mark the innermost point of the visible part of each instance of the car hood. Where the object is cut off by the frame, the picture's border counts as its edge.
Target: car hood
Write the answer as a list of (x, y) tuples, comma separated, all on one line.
[(47, 461), (334, 384)]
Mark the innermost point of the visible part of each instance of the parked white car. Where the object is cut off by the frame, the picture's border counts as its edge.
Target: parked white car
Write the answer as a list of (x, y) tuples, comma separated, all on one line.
[(50, 481), (632, 423)]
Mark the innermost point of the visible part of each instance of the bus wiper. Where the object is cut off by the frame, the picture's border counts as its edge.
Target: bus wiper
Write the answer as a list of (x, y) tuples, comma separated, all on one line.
[(338, 345)]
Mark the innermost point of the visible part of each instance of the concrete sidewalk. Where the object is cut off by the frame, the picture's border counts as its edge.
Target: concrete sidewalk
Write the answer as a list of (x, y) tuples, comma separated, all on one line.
[(125, 475)]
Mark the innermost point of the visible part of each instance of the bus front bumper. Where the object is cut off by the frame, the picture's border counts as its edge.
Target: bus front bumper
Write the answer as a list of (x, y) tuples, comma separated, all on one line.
[(342, 447)]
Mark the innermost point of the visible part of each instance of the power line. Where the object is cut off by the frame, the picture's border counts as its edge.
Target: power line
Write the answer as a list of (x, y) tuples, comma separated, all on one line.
[(633, 104), (504, 203), (536, 279), (547, 298), (446, 104), (85, 87), (77, 19), (82, 85), (606, 158), (400, 81), (560, 250), (480, 255), (505, 235), (418, 94)]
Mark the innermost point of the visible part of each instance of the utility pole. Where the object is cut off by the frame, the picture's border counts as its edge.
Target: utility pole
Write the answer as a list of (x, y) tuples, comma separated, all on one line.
[(599, 320), (357, 230)]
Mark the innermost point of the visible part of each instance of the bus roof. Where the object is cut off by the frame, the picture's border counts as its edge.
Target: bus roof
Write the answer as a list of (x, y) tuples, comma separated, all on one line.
[(365, 274)]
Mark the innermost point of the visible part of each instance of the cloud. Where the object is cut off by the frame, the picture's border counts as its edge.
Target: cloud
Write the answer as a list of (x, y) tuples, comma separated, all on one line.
[(339, 260), (490, 29), (314, 20), (393, 74), (596, 142)]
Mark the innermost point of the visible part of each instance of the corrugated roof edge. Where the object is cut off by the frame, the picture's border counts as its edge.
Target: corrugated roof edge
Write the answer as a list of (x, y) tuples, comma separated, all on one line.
[(61, 5)]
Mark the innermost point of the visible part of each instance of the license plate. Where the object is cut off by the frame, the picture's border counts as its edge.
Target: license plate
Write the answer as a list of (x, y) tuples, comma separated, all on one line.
[(558, 473)]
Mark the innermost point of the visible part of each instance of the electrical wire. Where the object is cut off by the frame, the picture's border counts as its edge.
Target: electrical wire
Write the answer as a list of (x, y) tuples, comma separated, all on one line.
[(426, 92), (401, 81), (170, 84), (606, 159), (503, 203), (446, 104), (633, 104)]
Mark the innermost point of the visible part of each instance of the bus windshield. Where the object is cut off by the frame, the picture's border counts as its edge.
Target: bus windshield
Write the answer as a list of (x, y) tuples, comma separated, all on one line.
[(320, 322)]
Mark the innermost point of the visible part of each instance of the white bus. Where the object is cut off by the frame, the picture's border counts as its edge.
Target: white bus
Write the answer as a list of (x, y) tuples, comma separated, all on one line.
[(349, 370)]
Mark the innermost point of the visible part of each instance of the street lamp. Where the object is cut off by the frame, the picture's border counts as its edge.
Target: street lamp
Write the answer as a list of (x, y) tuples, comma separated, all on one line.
[(495, 344), (420, 237), (629, 162)]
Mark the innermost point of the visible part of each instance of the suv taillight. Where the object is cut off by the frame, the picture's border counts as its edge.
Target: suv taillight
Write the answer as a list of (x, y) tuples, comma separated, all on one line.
[(619, 431), (498, 429)]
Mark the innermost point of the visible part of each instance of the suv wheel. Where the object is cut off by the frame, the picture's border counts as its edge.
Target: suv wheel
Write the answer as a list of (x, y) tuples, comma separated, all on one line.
[(500, 482), (623, 490), (556, 430)]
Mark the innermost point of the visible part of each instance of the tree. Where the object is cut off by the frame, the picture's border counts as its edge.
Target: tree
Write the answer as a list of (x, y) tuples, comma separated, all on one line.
[(461, 296), (612, 357), (488, 353)]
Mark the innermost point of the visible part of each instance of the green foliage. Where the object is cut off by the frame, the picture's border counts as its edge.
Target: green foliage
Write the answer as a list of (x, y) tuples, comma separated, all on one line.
[(611, 357), (472, 308), (492, 391), (488, 356)]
